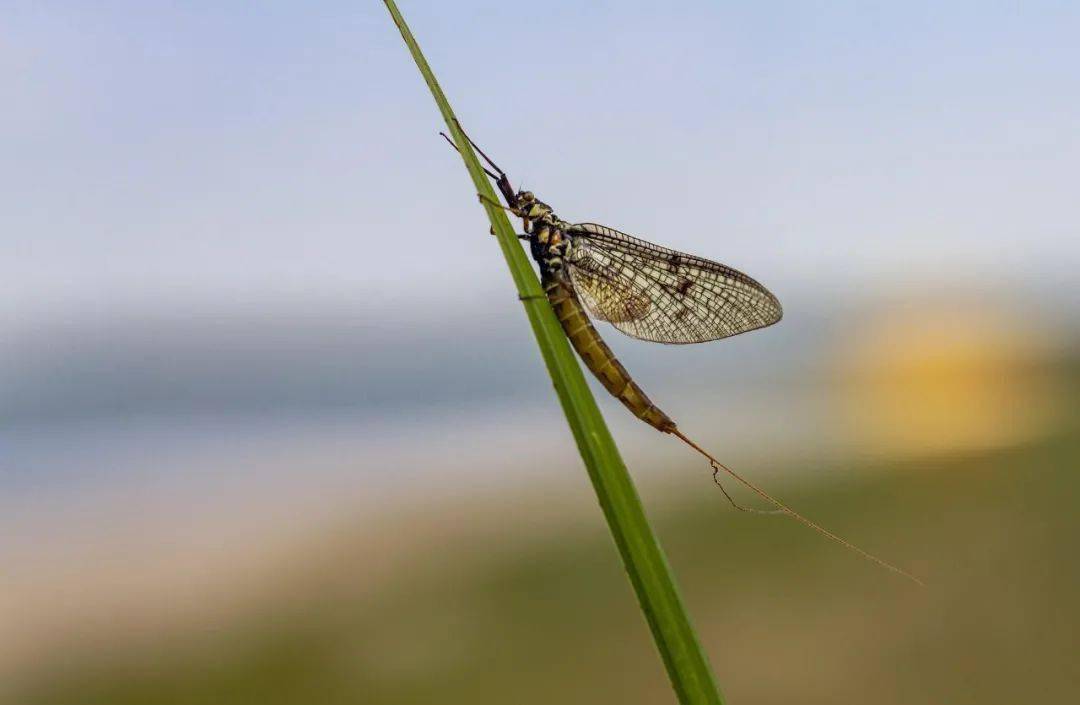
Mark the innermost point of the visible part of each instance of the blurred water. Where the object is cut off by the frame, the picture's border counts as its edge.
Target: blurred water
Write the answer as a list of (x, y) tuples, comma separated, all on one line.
[(173, 399)]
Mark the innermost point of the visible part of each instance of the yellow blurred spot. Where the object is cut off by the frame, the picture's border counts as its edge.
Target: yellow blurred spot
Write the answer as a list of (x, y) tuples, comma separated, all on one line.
[(921, 380)]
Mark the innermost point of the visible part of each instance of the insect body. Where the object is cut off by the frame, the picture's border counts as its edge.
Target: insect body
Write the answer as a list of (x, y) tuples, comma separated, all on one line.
[(644, 290), (552, 242), (647, 292)]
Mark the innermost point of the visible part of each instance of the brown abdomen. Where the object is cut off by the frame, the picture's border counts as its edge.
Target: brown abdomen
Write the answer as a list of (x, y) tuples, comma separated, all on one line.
[(598, 356)]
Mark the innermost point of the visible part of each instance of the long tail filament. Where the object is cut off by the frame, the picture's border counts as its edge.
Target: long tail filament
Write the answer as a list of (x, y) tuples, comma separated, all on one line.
[(782, 508)]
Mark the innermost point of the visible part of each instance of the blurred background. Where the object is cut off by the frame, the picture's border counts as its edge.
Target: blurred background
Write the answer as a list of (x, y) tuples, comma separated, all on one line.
[(273, 427)]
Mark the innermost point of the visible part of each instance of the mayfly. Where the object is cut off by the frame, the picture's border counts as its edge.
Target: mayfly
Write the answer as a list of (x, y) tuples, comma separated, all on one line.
[(648, 292)]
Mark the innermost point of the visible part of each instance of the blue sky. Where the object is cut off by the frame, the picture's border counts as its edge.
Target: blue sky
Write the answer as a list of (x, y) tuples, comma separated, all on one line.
[(244, 154)]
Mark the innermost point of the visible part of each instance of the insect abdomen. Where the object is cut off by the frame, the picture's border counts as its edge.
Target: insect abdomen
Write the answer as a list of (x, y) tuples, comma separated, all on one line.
[(598, 356)]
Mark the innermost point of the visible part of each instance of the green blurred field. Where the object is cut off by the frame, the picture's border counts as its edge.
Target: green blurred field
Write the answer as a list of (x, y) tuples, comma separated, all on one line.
[(523, 609)]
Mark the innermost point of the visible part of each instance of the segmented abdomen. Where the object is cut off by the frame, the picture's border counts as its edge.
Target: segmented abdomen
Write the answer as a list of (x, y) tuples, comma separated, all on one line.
[(598, 356)]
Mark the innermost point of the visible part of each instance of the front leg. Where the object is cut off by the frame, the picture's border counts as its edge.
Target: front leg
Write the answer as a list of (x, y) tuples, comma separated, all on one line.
[(520, 236), (493, 203)]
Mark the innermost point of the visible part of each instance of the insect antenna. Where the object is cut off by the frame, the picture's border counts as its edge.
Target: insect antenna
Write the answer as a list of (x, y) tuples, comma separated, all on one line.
[(501, 179), (451, 142), (477, 148), (784, 509)]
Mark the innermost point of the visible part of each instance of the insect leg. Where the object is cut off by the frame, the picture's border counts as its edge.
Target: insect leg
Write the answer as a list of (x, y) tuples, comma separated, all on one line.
[(490, 202), (521, 236)]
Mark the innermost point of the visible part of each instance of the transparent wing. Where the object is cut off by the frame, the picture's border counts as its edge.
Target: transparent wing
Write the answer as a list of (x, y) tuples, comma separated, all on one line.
[(609, 299), (657, 294)]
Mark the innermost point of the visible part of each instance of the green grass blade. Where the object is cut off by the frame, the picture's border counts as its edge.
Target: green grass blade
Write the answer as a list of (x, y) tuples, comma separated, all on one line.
[(646, 566)]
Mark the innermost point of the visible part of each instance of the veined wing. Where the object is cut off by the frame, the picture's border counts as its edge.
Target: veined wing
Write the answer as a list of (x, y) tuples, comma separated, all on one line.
[(657, 294)]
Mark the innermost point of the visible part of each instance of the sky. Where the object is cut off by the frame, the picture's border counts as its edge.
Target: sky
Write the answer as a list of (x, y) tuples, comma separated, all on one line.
[(245, 209), (206, 156)]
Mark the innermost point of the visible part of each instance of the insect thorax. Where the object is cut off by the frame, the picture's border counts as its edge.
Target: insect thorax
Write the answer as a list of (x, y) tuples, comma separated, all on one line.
[(549, 241)]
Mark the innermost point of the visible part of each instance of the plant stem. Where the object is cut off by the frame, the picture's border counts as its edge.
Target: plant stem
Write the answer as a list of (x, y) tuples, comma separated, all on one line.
[(646, 566)]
